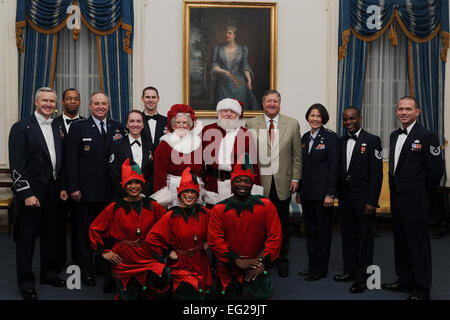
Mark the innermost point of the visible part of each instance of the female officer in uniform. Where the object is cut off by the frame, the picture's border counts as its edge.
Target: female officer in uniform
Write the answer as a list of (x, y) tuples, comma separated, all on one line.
[(317, 190)]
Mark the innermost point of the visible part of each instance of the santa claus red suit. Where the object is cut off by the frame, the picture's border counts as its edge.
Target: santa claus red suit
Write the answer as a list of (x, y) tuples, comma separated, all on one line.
[(178, 149), (223, 143)]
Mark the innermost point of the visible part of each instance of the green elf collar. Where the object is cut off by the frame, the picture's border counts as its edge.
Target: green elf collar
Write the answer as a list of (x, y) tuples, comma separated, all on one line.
[(239, 206), (137, 205), (187, 212)]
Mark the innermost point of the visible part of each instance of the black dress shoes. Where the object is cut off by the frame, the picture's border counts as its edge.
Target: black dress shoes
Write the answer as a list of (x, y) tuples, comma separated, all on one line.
[(416, 298), (88, 281), (358, 287), (345, 277), (29, 294), (396, 287), (305, 273), (54, 282), (314, 277)]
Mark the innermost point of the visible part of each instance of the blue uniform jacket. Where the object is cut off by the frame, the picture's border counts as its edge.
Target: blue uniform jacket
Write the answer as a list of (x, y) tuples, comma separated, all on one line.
[(364, 177), (87, 159), (319, 167), (420, 165)]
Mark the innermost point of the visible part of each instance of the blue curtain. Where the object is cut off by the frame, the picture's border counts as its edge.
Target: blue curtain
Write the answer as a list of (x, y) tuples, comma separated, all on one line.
[(37, 25), (425, 23)]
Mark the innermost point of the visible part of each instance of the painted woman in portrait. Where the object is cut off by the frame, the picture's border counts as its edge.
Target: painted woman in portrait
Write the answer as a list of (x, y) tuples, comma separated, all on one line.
[(232, 72)]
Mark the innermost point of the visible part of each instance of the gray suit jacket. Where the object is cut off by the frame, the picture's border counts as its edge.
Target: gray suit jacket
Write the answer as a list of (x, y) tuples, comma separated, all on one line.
[(283, 159)]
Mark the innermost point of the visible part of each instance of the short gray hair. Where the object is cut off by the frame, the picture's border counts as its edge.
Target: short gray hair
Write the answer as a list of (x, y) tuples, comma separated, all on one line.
[(43, 89), (191, 122)]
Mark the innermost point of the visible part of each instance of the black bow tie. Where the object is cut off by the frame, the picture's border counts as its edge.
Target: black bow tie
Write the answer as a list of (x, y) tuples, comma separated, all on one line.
[(69, 121), (402, 131), (154, 117), (352, 136), (137, 142)]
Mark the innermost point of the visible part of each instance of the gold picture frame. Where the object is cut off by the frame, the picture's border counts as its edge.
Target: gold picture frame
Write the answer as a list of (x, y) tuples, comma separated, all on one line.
[(206, 56)]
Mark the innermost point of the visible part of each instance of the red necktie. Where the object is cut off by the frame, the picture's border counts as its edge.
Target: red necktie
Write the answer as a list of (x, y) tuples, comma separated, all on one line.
[(271, 131)]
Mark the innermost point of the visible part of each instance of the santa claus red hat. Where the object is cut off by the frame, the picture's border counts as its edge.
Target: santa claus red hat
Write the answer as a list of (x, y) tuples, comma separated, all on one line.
[(243, 167), (179, 108), (131, 171), (231, 104), (188, 181)]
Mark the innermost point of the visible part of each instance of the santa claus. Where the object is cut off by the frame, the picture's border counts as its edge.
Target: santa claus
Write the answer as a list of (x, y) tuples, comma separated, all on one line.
[(223, 143)]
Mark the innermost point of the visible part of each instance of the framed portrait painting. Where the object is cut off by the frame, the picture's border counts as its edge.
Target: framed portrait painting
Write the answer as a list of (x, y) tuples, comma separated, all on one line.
[(229, 51)]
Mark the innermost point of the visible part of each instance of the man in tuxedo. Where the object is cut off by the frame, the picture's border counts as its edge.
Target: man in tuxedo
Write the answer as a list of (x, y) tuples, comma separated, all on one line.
[(360, 176), (280, 162), (71, 104), (35, 155), (87, 153), (154, 123), (415, 170)]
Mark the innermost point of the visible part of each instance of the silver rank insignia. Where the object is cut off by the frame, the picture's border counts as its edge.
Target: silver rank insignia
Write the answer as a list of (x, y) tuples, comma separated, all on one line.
[(435, 151), (378, 154)]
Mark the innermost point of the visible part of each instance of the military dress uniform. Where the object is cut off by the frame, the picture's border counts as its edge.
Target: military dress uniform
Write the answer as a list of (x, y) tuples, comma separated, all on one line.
[(360, 179), (319, 178), (87, 159), (160, 129), (67, 207), (417, 172), (34, 173), (120, 151)]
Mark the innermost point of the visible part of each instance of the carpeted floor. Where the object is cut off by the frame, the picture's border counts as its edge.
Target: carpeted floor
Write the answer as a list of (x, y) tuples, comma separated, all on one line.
[(291, 288)]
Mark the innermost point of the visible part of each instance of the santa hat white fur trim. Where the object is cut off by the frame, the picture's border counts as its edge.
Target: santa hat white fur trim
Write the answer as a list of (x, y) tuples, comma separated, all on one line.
[(231, 104)]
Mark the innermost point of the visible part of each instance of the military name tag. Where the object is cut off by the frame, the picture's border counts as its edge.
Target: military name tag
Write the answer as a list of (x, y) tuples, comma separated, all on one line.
[(435, 151)]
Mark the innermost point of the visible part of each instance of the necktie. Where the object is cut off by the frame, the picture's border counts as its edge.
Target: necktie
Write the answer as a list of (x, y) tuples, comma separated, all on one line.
[(402, 131), (69, 121), (102, 125), (137, 142), (271, 131), (147, 117)]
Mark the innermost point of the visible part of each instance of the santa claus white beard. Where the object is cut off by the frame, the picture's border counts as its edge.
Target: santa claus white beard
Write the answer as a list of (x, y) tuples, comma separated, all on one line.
[(229, 123)]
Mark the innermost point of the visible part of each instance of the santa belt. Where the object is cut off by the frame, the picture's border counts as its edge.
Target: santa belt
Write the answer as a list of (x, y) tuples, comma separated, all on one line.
[(219, 174), (134, 243), (189, 252)]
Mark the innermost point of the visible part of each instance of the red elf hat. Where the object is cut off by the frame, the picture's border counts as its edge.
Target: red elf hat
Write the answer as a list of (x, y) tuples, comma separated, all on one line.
[(243, 168), (131, 172), (188, 181)]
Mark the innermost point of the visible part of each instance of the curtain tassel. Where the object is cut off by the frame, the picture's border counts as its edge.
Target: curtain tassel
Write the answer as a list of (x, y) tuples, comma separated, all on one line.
[(393, 35), (343, 48)]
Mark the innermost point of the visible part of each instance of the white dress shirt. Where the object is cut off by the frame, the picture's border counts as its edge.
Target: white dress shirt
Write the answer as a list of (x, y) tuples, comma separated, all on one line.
[(67, 118), (152, 126), (350, 147), (46, 128), (97, 122), (399, 145), (275, 124), (136, 150)]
